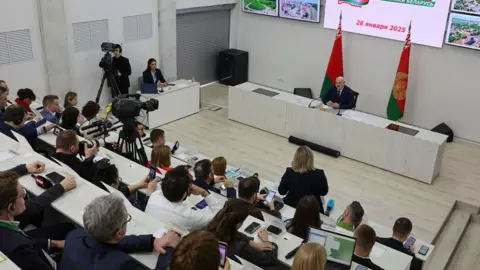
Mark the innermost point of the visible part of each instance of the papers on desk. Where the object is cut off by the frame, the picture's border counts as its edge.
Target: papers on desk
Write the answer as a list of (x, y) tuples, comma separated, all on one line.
[(2, 257), (6, 155), (21, 139), (247, 265), (287, 212), (180, 85)]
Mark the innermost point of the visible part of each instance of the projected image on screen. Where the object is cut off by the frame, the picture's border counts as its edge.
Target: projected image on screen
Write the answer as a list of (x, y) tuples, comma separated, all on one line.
[(463, 30), (305, 10), (265, 7), (467, 6)]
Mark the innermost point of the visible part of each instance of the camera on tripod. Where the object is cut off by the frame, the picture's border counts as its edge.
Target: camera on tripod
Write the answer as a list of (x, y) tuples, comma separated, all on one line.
[(125, 108), (106, 61)]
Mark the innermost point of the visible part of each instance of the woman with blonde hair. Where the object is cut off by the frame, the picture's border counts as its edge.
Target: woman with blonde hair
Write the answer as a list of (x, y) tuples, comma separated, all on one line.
[(303, 179), (311, 256)]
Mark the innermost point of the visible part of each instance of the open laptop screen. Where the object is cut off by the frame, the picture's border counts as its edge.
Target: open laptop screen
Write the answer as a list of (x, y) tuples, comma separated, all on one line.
[(339, 247)]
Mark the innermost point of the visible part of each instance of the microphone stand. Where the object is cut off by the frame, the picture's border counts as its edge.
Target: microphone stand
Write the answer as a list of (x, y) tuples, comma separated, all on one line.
[(338, 113)]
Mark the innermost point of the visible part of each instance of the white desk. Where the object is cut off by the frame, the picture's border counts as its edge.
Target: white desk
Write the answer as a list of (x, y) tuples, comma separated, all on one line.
[(73, 202), (174, 103), (356, 135), (7, 264), (285, 241)]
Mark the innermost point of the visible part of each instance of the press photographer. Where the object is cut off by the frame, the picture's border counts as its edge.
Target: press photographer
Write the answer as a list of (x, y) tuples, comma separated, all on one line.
[(67, 148)]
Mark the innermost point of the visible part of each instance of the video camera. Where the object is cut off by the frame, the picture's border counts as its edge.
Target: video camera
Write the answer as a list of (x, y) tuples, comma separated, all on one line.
[(106, 61), (125, 108)]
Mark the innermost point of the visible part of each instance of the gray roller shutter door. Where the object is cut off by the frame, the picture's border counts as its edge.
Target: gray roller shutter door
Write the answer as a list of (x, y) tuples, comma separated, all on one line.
[(200, 36)]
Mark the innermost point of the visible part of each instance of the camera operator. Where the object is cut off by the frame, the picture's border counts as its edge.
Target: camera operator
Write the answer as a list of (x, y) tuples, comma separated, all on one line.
[(122, 69), (67, 148)]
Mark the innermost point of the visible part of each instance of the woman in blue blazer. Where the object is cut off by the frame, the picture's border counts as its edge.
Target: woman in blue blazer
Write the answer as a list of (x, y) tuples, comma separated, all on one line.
[(153, 75)]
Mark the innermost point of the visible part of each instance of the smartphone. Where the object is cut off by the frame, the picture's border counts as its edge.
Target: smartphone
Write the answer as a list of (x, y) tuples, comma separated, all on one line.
[(152, 173), (202, 204), (175, 147), (274, 230), (159, 179), (270, 196), (361, 267), (423, 250), (409, 243), (253, 227), (222, 247), (55, 177)]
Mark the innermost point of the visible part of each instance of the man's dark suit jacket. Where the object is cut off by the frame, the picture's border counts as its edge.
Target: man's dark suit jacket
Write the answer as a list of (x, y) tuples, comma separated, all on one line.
[(366, 262), (200, 182), (25, 252), (148, 78), (85, 169), (397, 245), (82, 252), (346, 99), (122, 64)]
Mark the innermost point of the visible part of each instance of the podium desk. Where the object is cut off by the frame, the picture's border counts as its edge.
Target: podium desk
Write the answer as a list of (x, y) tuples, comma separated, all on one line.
[(174, 103), (357, 135)]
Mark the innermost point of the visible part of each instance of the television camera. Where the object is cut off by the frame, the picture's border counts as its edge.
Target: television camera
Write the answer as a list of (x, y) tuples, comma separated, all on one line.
[(108, 72)]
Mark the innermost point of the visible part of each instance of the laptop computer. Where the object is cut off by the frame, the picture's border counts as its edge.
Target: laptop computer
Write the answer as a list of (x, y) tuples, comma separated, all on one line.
[(339, 247), (147, 88)]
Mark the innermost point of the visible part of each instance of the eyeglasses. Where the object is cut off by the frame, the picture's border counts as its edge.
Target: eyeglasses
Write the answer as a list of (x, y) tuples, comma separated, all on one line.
[(129, 218), (21, 195)]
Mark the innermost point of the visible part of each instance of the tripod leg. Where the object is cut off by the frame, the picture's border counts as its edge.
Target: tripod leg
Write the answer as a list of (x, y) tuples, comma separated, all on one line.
[(99, 92)]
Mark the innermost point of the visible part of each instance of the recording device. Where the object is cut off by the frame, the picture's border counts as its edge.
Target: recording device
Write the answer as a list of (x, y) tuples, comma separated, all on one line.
[(99, 128), (273, 229), (152, 173), (330, 206), (42, 181), (108, 74), (202, 204), (409, 243), (175, 147), (222, 247), (423, 250), (56, 178), (106, 61), (88, 144), (253, 227), (270, 196), (128, 106), (292, 253)]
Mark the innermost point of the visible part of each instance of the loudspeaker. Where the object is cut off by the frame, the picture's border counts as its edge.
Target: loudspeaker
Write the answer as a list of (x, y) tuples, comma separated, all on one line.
[(232, 68), (444, 129), (313, 146)]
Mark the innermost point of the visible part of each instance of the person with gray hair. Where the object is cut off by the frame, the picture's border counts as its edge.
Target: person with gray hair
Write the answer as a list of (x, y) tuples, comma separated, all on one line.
[(103, 243), (352, 216), (339, 96)]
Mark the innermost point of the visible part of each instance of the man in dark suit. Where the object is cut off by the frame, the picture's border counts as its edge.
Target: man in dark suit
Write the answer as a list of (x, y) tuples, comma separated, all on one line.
[(204, 178), (365, 241), (339, 96), (28, 250), (103, 243), (122, 69), (51, 109), (248, 190), (67, 147), (401, 231)]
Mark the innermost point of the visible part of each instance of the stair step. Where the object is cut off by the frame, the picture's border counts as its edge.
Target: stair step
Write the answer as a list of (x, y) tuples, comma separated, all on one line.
[(450, 234), (467, 255)]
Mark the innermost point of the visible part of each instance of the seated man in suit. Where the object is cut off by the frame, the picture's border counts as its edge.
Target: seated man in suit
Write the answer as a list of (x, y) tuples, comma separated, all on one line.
[(28, 250), (3, 101), (401, 231), (103, 244), (153, 75), (204, 178), (339, 96), (365, 241), (51, 109), (14, 120), (248, 193), (67, 147)]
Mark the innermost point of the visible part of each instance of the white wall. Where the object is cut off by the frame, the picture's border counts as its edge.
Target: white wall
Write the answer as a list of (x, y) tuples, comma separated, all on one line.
[(443, 86), (86, 74), (21, 15), (182, 4)]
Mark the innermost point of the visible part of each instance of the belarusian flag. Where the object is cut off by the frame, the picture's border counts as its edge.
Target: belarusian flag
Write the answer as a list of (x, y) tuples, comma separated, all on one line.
[(396, 104), (335, 64)]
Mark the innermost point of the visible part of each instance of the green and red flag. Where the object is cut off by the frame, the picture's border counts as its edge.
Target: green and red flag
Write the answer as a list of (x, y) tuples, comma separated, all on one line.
[(335, 64), (396, 104)]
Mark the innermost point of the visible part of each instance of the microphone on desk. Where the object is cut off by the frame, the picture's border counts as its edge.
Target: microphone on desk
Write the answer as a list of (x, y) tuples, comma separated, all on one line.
[(316, 99), (161, 87), (338, 113)]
